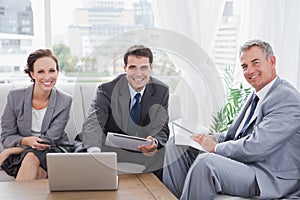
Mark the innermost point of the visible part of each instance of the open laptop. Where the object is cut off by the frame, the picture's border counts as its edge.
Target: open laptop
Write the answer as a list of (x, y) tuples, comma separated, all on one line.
[(82, 171)]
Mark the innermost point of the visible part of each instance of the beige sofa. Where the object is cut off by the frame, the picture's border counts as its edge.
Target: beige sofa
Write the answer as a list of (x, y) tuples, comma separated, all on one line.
[(82, 94)]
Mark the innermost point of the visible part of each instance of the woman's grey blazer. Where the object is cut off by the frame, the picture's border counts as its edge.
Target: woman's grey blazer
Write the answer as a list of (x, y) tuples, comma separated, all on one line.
[(17, 116)]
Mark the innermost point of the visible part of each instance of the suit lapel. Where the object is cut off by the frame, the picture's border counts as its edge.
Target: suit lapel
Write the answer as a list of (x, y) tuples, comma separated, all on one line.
[(235, 125), (49, 112), (252, 122), (124, 111), (28, 110), (120, 103), (147, 102), (276, 83)]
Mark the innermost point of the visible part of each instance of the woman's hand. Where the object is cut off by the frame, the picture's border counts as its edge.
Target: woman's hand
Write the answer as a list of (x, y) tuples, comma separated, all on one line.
[(34, 142), (148, 150)]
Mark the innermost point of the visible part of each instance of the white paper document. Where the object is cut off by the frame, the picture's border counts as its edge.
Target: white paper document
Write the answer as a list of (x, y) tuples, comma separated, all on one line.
[(125, 141), (183, 136)]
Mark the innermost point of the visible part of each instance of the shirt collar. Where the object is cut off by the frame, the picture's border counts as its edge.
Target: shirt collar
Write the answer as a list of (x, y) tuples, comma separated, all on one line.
[(262, 92), (133, 92)]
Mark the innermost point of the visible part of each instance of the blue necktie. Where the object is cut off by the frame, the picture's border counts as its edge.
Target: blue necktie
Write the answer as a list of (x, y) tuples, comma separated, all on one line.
[(253, 106), (135, 111)]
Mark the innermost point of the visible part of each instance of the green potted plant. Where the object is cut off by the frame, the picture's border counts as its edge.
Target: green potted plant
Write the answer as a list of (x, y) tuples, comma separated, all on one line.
[(235, 99)]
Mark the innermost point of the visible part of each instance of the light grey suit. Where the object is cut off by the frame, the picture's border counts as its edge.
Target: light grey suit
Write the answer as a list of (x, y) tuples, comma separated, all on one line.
[(17, 116), (266, 162)]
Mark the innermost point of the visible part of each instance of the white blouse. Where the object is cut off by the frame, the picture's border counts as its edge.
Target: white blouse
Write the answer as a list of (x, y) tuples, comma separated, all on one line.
[(37, 120)]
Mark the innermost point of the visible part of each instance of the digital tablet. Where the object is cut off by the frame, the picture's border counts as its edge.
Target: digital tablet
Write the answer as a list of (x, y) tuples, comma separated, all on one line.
[(183, 136), (125, 141)]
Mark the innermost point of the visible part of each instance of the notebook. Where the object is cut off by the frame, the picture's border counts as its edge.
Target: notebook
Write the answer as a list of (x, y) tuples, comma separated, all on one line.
[(82, 171)]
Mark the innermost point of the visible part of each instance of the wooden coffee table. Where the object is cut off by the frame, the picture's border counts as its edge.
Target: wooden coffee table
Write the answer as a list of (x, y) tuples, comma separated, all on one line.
[(131, 186)]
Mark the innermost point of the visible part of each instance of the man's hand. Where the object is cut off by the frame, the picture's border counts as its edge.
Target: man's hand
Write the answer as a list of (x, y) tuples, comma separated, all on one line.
[(148, 150), (34, 142), (208, 142)]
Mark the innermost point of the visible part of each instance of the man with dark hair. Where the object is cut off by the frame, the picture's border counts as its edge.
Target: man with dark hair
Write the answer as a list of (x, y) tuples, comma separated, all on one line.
[(258, 157), (112, 110)]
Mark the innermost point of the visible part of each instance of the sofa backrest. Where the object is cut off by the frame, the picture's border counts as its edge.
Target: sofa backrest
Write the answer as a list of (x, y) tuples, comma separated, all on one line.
[(4, 89), (76, 114)]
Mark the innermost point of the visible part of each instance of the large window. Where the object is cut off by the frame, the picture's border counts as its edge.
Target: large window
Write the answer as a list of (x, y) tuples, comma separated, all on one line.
[(84, 31)]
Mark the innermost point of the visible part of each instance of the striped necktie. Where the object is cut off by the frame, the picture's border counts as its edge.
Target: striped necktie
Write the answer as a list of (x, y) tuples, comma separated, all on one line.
[(253, 106)]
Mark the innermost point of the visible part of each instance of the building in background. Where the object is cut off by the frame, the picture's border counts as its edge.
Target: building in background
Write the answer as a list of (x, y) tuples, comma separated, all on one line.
[(16, 17), (225, 46), (16, 35), (100, 20)]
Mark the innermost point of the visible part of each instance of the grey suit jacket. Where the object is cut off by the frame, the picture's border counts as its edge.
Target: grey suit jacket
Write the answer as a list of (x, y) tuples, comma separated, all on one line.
[(272, 143), (110, 112), (17, 116)]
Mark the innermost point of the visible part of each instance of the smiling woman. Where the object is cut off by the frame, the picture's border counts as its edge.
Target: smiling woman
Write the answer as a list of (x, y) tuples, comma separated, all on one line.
[(34, 120), (42, 65)]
